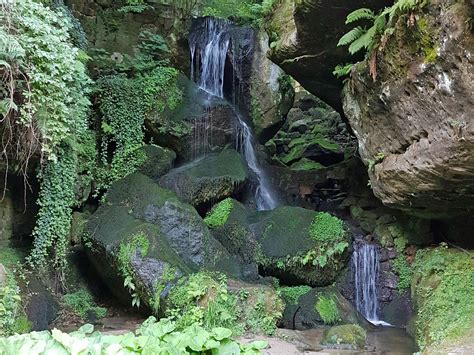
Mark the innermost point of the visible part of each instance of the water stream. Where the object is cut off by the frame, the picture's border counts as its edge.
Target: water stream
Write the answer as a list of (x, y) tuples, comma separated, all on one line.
[(209, 50), (365, 263)]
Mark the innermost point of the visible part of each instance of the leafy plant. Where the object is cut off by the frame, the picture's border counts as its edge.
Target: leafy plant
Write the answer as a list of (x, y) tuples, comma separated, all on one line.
[(82, 303), (291, 294), (10, 306), (326, 228), (373, 38), (327, 309), (153, 337), (218, 215)]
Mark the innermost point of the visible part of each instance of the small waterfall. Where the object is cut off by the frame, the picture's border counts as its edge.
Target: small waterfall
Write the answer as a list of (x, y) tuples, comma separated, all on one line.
[(365, 261), (209, 50)]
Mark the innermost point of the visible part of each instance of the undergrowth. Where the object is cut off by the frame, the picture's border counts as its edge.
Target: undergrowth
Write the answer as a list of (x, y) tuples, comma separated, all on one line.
[(218, 215), (82, 303), (327, 309)]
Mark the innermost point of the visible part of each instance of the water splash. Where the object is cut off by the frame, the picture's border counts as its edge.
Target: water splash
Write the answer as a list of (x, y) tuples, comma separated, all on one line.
[(209, 49), (365, 261)]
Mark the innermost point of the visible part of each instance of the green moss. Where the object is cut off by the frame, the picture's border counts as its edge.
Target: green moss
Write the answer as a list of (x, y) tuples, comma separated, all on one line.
[(82, 303), (306, 164), (326, 144), (443, 291), (10, 256), (217, 217), (291, 294), (327, 309), (326, 228), (169, 274), (295, 153), (347, 336)]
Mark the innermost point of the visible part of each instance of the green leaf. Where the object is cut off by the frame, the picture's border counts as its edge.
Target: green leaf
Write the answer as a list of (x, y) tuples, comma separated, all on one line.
[(221, 333), (351, 36), (360, 14)]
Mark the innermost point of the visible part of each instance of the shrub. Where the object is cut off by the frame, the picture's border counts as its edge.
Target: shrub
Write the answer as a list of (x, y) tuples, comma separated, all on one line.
[(82, 303)]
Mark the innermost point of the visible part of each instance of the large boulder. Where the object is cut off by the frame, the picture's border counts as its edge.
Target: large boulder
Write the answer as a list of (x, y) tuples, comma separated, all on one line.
[(158, 161), (200, 124), (304, 37), (211, 178), (291, 243), (415, 123), (271, 92), (146, 233)]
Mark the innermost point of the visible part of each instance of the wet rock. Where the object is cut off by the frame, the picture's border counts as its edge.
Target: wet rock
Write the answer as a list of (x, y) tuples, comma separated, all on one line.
[(399, 311), (348, 336), (158, 161), (211, 178), (200, 124), (306, 316), (416, 120)]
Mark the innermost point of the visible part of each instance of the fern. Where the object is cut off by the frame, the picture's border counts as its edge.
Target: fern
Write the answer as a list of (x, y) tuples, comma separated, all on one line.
[(360, 14), (342, 70), (351, 36), (364, 41)]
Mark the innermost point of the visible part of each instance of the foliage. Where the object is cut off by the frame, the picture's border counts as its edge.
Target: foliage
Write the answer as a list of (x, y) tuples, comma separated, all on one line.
[(124, 104), (374, 38), (54, 216), (217, 217), (252, 12), (10, 306), (152, 337), (291, 295), (203, 298), (82, 303), (326, 228), (49, 81), (138, 243), (327, 309), (45, 101), (342, 70), (443, 290), (404, 272)]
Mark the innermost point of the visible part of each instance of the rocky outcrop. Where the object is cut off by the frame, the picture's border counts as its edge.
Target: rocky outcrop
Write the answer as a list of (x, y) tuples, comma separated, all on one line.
[(211, 178), (286, 242), (271, 92), (415, 123), (304, 37), (200, 124), (312, 137)]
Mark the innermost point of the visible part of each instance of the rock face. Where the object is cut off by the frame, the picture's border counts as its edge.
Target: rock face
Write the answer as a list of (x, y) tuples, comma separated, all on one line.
[(271, 92), (144, 230), (415, 124), (304, 38), (199, 125), (158, 161), (210, 178)]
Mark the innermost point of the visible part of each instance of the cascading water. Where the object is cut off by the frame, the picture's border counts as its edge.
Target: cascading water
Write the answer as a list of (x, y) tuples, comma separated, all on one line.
[(365, 262), (209, 50)]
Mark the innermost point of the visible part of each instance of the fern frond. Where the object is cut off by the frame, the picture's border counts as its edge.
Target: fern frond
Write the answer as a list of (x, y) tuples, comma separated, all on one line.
[(359, 14), (364, 41), (342, 70), (351, 36), (380, 23)]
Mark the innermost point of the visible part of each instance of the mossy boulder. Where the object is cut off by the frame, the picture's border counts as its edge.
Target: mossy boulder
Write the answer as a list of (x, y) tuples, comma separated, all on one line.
[(322, 306), (200, 124), (347, 336), (213, 177), (158, 161), (291, 243), (161, 237)]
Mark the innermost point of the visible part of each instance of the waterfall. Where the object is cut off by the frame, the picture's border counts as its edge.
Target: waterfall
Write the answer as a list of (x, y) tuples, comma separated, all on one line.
[(209, 49), (365, 262)]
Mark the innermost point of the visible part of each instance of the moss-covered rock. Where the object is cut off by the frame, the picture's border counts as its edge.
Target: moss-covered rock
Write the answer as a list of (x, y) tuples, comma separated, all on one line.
[(158, 161), (323, 306), (211, 178), (347, 336), (442, 291), (291, 243), (145, 233), (313, 136)]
